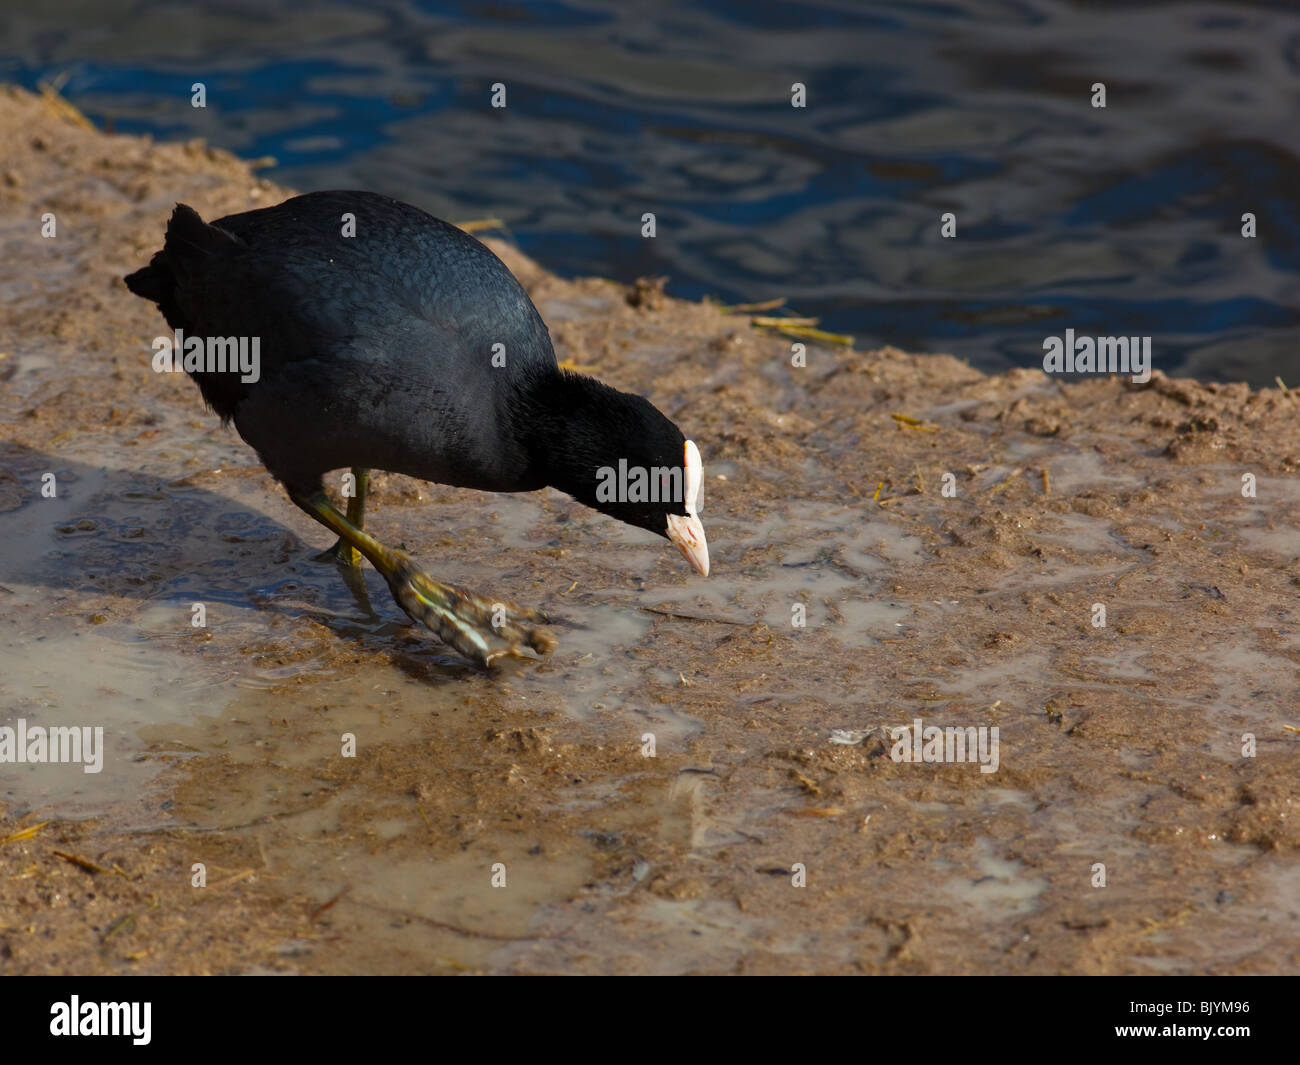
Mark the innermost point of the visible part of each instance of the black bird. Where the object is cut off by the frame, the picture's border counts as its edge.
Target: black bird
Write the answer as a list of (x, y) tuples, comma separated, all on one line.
[(389, 339)]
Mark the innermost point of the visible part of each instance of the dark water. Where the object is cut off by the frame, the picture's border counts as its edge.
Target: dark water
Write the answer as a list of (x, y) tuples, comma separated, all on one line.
[(1122, 221)]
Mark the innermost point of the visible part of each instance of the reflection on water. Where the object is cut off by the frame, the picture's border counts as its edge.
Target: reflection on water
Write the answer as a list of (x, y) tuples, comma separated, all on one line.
[(1122, 221)]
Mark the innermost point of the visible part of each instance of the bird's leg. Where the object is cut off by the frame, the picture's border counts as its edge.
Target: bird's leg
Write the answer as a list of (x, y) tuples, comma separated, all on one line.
[(481, 629), (343, 552)]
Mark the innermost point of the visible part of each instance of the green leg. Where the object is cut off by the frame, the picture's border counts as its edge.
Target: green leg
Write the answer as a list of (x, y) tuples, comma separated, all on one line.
[(343, 552), (479, 628)]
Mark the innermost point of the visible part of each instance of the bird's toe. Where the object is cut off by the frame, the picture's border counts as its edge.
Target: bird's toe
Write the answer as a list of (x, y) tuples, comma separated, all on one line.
[(479, 627)]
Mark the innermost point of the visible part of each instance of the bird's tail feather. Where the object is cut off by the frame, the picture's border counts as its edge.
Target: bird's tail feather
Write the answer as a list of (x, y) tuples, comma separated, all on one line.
[(190, 242)]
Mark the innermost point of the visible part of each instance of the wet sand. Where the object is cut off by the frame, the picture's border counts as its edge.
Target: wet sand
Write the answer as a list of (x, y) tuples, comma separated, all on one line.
[(1120, 745)]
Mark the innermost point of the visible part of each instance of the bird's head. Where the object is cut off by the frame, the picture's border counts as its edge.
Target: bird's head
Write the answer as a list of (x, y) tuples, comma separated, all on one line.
[(661, 491), (623, 457)]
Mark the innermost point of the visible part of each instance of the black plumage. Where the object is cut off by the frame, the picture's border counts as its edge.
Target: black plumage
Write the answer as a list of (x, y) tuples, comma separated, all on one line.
[(392, 340)]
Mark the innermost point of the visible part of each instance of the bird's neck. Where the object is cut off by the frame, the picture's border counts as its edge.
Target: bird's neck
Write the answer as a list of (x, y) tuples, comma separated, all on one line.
[(566, 423)]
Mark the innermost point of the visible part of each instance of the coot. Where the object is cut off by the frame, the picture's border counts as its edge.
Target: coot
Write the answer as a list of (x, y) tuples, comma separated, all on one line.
[(389, 339)]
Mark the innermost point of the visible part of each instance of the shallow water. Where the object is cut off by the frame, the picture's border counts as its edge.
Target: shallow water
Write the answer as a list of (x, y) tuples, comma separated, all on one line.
[(107, 575), (263, 730)]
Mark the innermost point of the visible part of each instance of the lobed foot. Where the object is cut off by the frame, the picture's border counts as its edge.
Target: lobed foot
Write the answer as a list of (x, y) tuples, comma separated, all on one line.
[(482, 629)]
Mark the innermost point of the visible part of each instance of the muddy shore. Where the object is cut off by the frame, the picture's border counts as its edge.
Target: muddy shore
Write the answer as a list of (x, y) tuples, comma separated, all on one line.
[(1121, 744)]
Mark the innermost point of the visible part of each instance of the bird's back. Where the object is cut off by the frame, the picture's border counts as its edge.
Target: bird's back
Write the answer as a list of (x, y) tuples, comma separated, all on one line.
[(344, 254), (364, 307)]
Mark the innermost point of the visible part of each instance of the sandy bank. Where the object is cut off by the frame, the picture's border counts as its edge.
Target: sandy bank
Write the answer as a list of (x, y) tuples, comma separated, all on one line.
[(1120, 744)]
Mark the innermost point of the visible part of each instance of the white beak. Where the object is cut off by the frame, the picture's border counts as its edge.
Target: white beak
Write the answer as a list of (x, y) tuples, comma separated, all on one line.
[(688, 532)]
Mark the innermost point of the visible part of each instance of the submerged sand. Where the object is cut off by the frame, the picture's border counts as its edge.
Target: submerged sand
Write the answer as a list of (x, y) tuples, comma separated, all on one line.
[(1120, 745)]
